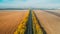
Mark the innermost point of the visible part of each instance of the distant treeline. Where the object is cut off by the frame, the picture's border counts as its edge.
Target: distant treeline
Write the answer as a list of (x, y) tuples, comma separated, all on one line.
[(26, 9), (12, 9)]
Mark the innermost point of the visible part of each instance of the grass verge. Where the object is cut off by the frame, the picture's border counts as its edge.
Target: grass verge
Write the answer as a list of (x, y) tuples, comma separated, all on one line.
[(22, 26), (36, 26)]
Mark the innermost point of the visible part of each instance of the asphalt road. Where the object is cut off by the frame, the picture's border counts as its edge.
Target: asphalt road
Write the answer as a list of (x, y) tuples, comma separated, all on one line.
[(33, 25), (29, 25)]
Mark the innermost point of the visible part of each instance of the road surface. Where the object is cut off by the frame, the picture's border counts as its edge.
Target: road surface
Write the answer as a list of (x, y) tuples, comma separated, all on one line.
[(29, 25)]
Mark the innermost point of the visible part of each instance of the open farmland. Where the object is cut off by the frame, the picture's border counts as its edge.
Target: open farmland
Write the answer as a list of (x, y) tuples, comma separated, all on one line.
[(9, 20), (19, 22), (29, 22), (57, 11), (49, 21)]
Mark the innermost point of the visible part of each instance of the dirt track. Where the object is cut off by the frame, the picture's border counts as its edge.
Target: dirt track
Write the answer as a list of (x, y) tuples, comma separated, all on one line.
[(10, 20), (50, 22)]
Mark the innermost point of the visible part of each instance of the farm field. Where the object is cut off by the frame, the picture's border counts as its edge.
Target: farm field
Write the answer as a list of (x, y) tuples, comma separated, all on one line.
[(10, 19), (19, 22), (29, 22), (57, 11), (49, 21)]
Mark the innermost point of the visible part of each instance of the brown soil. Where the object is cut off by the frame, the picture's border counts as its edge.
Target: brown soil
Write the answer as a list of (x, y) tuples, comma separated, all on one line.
[(50, 22), (9, 20)]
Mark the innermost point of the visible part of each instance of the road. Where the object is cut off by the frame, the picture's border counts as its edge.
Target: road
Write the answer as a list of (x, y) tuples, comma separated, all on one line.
[(19, 22), (29, 22), (49, 21), (29, 25), (33, 26), (10, 19)]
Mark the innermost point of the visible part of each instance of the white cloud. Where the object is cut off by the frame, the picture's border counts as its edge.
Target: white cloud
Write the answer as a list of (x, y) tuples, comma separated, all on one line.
[(28, 3)]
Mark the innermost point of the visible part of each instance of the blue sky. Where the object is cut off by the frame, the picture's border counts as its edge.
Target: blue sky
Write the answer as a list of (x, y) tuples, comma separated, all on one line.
[(29, 3)]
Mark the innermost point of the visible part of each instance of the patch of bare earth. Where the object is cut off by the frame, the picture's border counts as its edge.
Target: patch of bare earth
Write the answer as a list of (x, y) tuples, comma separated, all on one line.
[(50, 22), (9, 20)]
